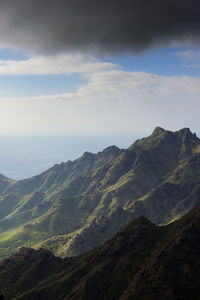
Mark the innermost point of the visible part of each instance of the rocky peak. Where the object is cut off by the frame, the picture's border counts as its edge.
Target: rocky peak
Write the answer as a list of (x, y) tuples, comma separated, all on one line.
[(158, 130), (184, 131), (88, 155), (186, 134), (112, 148)]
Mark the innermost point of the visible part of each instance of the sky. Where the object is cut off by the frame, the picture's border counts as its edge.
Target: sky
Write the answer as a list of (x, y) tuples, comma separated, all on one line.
[(79, 76)]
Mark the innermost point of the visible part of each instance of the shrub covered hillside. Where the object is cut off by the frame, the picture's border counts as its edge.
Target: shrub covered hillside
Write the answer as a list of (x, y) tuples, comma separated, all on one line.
[(79, 204), (142, 262)]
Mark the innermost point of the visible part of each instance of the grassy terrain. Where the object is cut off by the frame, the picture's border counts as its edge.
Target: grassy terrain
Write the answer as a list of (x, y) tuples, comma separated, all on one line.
[(157, 176)]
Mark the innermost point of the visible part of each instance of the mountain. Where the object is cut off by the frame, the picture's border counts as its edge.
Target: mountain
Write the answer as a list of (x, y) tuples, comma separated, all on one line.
[(142, 261), (77, 205), (5, 182)]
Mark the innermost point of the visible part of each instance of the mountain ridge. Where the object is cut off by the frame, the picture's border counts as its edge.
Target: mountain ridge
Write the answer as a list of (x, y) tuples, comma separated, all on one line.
[(156, 176), (142, 261)]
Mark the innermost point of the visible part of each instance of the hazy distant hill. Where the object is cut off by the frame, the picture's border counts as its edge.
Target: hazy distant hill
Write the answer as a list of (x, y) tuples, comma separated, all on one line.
[(77, 205), (142, 262)]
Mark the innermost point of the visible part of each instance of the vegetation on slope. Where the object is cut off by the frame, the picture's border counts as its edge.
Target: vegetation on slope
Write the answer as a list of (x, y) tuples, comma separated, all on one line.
[(157, 176), (142, 261)]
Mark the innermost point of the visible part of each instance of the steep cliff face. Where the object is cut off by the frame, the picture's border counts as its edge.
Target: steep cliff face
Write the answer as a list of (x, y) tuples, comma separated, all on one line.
[(142, 261), (157, 176)]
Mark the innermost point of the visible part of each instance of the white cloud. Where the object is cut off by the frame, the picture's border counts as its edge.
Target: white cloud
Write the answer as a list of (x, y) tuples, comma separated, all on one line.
[(111, 102), (189, 55), (60, 64)]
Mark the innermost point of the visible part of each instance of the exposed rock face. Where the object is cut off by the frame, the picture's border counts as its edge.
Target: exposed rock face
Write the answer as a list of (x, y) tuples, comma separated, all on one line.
[(98, 231)]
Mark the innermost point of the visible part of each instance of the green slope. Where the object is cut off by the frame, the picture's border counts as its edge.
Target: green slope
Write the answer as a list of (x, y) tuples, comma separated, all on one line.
[(157, 176)]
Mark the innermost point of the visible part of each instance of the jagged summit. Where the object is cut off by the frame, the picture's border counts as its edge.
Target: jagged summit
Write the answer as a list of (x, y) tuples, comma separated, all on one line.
[(111, 148), (158, 130), (182, 132), (157, 177)]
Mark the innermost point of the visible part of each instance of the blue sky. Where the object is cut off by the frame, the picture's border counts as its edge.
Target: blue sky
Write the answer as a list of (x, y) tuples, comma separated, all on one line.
[(32, 123), (82, 94), (82, 79), (166, 61)]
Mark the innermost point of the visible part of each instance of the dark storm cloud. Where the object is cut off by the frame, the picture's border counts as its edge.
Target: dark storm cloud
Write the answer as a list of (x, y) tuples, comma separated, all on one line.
[(107, 26)]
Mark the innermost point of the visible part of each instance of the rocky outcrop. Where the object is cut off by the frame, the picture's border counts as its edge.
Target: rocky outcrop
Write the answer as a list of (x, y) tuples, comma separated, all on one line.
[(98, 231), (157, 176)]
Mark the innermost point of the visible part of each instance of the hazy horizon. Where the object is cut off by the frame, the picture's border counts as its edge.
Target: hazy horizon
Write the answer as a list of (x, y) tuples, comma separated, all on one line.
[(109, 70), (23, 157)]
